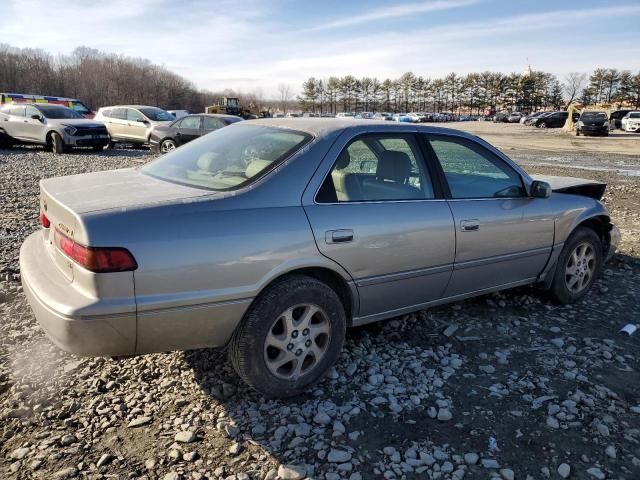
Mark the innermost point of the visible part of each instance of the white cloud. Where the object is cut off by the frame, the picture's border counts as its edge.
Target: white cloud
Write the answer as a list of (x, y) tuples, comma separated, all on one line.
[(395, 11)]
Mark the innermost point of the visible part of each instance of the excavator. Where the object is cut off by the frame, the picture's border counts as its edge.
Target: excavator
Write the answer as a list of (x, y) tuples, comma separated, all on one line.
[(576, 109), (231, 106)]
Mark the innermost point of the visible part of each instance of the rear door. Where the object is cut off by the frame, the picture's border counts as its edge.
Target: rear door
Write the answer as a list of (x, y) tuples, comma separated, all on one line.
[(116, 124), (189, 128), (378, 215), (503, 236), (13, 124)]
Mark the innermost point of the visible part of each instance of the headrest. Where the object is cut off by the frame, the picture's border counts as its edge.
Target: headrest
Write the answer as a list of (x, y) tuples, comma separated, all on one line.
[(343, 160), (207, 162), (255, 167), (394, 165)]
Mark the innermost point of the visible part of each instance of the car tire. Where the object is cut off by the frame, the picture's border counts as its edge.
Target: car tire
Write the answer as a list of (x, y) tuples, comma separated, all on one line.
[(577, 267), (577, 132), (5, 140), (290, 337), (57, 145), (167, 145), (542, 125)]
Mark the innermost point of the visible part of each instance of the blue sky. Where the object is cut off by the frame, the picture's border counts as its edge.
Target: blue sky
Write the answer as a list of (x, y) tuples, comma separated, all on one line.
[(250, 44)]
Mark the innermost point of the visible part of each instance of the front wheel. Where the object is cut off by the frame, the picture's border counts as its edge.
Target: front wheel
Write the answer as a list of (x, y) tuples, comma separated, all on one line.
[(57, 145), (167, 145), (542, 125), (290, 337), (577, 132), (577, 267)]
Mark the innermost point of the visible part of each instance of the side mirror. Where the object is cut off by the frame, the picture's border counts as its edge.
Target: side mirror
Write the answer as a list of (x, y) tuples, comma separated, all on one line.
[(143, 120), (37, 117), (540, 189)]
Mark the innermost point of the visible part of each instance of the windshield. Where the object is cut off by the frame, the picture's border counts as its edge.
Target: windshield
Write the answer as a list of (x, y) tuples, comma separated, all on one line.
[(593, 116), (80, 108), (58, 112), (157, 114), (228, 158)]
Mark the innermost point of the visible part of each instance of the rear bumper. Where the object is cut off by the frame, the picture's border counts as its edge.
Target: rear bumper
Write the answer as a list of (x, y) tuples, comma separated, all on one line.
[(60, 309)]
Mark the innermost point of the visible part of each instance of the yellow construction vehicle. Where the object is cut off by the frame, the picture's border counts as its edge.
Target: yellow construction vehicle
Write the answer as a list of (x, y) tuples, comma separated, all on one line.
[(231, 106)]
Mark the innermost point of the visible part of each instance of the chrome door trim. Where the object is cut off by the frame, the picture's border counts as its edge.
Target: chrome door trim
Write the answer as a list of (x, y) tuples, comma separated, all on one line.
[(502, 258), (393, 277)]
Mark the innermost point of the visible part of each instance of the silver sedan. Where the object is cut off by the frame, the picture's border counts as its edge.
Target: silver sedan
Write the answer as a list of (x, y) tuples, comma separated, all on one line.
[(271, 237)]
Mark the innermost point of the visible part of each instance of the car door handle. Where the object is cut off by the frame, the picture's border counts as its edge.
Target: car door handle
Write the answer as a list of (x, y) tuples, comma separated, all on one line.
[(339, 236), (472, 225)]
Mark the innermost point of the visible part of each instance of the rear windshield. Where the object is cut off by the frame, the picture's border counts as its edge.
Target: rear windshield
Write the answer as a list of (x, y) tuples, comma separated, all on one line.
[(228, 158), (157, 114)]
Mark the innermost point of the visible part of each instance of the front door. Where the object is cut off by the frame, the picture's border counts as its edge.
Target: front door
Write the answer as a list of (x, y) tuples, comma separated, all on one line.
[(503, 236), (378, 216), (188, 129), (33, 128), (136, 129)]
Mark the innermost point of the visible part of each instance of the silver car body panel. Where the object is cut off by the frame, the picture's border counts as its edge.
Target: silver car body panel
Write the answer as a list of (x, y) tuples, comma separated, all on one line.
[(204, 256)]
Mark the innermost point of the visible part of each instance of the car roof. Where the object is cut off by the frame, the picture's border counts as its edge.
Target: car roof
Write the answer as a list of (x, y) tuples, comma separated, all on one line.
[(129, 106), (321, 127), (45, 106)]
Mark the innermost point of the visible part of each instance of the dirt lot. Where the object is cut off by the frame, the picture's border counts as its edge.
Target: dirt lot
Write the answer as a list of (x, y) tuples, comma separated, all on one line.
[(505, 386)]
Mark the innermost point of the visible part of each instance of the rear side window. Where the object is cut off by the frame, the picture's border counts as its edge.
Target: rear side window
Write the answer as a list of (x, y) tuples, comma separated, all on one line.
[(119, 113), (472, 171), (212, 123), (17, 110), (377, 168), (106, 113)]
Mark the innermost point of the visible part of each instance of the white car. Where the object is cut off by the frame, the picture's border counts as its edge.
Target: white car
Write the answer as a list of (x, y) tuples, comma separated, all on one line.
[(631, 122), (345, 115)]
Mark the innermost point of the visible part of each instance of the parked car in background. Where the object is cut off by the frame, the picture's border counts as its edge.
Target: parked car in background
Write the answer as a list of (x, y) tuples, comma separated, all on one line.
[(345, 115), (631, 122), (616, 118), (501, 117), (593, 123), (417, 117), (179, 113), (526, 118), (73, 103), (57, 127), (552, 120), (383, 116), (133, 123), (402, 117), (534, 118), (514, 117), (165, 139), (188, 251)]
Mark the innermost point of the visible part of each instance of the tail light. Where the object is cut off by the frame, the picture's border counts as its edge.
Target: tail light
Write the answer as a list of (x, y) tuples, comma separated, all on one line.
[(96, 259), (44, 220)]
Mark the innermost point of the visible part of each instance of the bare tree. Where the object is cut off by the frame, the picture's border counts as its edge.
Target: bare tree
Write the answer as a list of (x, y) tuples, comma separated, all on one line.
[(574, 85), (285, 94)]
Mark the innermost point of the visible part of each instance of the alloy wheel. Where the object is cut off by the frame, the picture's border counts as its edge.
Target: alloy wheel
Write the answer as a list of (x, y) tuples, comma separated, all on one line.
[(167, 146), (580, 267), (297, 341)]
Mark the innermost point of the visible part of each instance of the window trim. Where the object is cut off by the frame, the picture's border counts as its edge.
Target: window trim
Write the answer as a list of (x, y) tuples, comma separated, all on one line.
[(421, 160), (427, 136)]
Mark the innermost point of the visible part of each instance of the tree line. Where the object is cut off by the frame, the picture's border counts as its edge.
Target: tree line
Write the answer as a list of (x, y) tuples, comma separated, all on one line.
[(98, 79), (474, 93)]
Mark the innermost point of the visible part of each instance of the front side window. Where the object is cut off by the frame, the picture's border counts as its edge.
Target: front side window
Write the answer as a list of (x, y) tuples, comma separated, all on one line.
[(472, 171), (31, 111), (192, 123), (377, 168), (212, 123), (228, 159), (134, 115)]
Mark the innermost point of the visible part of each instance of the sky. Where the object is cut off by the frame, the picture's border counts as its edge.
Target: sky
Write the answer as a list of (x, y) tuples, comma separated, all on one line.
[(252, 45)]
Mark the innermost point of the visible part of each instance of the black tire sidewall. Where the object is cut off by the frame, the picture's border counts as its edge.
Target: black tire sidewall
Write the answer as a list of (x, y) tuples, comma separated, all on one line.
[(247, 345), (559, 290), (57, 145)]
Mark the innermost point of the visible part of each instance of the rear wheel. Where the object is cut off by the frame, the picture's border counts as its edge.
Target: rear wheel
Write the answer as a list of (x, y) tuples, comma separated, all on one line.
[(577, 267), (5, 140), (56, 143), (290, 337), (167, 145), (542, 125)]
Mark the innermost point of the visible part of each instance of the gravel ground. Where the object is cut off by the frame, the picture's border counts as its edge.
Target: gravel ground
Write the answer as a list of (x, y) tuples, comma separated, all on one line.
[(501, 386)]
